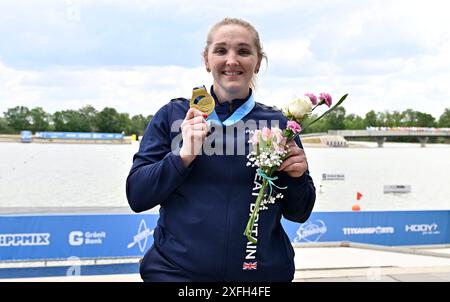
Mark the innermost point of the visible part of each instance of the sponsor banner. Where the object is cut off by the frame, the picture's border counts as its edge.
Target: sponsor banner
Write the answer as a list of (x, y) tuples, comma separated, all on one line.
[(79, 135), (82, 236), (25, 136), (378, 227), (131, 235)]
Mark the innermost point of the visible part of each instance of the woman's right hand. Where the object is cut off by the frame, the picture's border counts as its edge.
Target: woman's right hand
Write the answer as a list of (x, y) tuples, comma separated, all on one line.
[(194, 130)]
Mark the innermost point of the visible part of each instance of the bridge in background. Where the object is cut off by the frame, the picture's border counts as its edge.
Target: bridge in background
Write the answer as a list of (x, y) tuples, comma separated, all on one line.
[(382, 133)]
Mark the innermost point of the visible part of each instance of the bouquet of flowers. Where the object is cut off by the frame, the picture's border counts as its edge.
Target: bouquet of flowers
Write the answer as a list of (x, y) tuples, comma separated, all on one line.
[(270, 149)]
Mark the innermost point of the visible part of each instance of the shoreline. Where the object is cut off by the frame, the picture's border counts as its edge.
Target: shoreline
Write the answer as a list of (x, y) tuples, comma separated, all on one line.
[(15, 138), (308, 142)]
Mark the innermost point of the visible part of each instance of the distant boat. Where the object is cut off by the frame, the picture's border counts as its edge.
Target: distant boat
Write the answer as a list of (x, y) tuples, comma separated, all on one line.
[(326, 176), (397, 189)]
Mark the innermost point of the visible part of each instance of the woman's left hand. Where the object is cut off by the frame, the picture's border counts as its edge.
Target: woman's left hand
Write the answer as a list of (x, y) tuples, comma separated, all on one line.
[(296, 164)]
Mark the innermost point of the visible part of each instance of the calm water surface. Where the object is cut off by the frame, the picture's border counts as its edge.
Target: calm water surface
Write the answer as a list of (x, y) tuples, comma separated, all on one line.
[(72, 175)]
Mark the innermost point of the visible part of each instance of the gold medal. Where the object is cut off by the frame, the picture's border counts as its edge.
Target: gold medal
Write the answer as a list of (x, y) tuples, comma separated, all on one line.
[(202, 100)]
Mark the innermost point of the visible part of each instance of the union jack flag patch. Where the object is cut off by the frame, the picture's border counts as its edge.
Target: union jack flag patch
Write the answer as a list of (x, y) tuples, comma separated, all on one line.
[(249, 265)]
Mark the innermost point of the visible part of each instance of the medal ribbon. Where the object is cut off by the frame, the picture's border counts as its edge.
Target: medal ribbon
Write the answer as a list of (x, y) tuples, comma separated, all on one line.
[(238, 115)]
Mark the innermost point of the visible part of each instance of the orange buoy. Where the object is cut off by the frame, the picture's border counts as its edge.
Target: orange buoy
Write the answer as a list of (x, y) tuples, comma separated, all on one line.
[(356, 207)]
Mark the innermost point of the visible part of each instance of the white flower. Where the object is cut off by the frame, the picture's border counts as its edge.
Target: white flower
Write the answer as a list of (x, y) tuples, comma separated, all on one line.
[(298, 108)]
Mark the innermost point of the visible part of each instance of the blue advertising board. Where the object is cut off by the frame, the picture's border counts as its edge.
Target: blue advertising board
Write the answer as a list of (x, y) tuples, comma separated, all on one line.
[(130, 235), (79, 135), (25, 136), (83, 236), (391, 228)]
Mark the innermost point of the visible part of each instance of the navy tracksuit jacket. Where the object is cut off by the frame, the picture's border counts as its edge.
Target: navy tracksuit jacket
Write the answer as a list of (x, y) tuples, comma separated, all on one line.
[(204, 208)]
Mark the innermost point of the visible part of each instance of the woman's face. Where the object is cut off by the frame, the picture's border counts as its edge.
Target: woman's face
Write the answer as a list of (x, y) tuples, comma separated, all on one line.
[(233, 59)]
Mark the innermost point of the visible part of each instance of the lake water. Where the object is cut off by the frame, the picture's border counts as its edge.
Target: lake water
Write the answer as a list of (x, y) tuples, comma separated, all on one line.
[(84, 175)]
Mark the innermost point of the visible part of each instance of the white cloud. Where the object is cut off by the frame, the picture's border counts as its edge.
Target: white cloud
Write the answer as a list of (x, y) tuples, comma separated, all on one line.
[(137, 90), (288, 53), (203, 8), (389, 55), (417, 84)]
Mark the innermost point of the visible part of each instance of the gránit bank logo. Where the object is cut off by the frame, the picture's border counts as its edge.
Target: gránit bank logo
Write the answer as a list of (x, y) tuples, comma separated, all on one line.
[(77, 238), (310, 231)]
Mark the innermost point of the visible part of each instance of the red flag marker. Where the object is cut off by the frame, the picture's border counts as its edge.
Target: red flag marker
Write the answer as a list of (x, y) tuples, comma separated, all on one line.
[(358, 196)]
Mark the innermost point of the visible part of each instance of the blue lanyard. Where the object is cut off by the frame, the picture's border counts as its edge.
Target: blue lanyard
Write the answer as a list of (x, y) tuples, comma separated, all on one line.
[(238, 115)]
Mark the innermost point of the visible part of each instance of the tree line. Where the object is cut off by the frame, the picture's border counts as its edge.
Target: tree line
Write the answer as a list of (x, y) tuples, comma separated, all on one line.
[(88, 119), (85, 119), (339, 120)]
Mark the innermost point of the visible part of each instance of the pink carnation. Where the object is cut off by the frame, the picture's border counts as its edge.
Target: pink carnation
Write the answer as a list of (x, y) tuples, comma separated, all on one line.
[(312, 97), (325, 98), (294, 126)]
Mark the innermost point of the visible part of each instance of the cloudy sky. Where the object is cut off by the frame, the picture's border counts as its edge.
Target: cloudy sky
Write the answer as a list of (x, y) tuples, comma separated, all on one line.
[(136, 55)]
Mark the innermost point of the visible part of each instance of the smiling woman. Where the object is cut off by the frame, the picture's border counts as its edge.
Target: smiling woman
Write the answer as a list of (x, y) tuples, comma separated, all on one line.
[(233, 54), (205, 196)]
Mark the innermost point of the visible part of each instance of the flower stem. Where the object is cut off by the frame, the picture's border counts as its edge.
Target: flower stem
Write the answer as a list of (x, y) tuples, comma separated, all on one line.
[(328, 111), (251, 221), (325, 113)]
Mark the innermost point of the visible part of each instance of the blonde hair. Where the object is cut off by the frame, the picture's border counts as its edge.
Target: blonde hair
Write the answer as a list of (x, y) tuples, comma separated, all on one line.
[(235, 21)]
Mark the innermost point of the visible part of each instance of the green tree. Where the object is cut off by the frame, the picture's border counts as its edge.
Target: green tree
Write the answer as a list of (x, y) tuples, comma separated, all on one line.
[(59, 121), (39, 120), (370, 119), (354, 122), (69, 121), (444, 119), (335, 119), (315, 128), (394, 119), (88, 115), (409, 118), (124, 122), (18, 118), (138, 124), (4, 128), (413, 118), (425, 119), (109, 120)]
